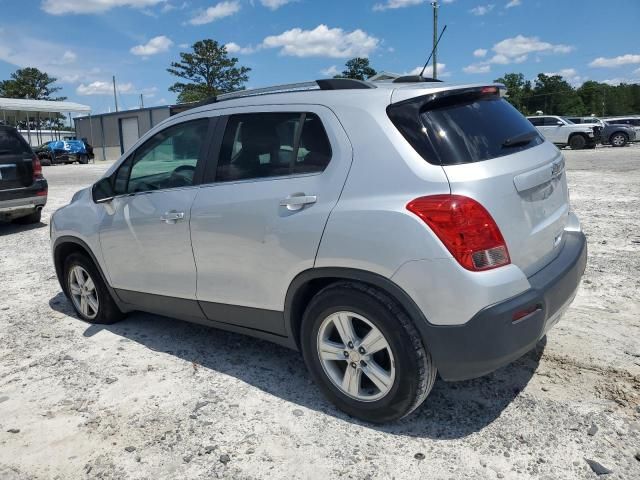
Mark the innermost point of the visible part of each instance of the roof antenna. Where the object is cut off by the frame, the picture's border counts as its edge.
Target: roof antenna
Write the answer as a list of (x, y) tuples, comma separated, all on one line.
[(432, 51)]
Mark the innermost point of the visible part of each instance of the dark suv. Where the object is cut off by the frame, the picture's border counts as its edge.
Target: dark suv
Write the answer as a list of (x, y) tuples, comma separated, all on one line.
[(23, 189)]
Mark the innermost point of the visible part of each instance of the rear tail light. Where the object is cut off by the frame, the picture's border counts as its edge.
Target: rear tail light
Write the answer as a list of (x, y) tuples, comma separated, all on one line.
[(465, 228), (37, 168)]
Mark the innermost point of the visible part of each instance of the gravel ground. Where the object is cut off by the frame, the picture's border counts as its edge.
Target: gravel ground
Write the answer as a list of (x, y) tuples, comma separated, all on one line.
[(152, 397)]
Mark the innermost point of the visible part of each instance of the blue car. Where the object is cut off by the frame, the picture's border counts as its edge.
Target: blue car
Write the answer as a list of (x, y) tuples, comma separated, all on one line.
[(63, 151)]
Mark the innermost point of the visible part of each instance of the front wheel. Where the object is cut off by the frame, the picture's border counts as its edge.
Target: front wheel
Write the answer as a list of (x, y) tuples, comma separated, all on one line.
[(618, 139), (365, 354), (87, 291), (577, 142)]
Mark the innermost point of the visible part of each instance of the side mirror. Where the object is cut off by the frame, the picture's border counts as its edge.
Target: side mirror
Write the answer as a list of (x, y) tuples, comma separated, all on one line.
[(559, 123), (102, 191)]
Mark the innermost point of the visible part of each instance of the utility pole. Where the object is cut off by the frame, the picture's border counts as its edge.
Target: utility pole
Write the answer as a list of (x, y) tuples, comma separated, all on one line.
[(141, 101), (115, 95), (435, 6)]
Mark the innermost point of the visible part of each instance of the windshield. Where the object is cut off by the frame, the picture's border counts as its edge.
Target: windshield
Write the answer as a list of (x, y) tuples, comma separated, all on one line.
[(567, 120)]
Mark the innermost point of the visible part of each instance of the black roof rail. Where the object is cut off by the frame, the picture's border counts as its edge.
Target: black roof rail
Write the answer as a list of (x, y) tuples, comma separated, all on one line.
[(323, 84), (415, 79), (343, 84)]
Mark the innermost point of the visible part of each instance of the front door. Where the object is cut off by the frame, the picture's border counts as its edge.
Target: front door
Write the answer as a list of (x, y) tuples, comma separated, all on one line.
[(279, 175), (145, 236)]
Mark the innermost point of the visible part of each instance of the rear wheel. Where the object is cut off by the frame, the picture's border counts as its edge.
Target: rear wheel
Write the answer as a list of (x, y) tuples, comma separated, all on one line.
[(365, 354), (87, 291), (83, 159), (577, 142), (618, 139), (31, 218)]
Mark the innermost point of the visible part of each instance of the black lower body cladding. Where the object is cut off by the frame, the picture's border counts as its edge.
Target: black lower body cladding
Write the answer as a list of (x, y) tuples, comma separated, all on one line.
[(492, 339)]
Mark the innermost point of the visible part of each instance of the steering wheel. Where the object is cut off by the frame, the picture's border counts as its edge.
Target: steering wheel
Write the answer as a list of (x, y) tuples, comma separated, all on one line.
[(182, 175)]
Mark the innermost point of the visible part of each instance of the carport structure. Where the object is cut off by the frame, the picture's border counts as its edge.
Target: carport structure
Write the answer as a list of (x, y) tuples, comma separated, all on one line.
[(18, 111)]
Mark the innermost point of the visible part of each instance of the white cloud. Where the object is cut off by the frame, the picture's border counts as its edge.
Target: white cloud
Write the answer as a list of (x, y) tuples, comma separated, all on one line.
[(332, 71), (233, 47), (628, 59), (513, 3), (393, 4), (216, 12), (480, 53), (516, 50), (442, 72), (482, 9), (61, 7), (184, 45), (619, 80), (323, 41), (477, 68), (569, 74), (103, 88), (152, 47), (521, 45), (275, 4)]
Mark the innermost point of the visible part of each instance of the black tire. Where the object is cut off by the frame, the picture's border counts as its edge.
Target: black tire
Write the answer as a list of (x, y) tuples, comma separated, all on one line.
[(108, 311), (31, 218), (577, 142), (618, 139), (415, 372), (83, 159), (45, 162)]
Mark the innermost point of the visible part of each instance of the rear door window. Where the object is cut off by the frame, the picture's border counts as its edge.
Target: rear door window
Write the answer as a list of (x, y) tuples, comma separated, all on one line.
[(259, 145)]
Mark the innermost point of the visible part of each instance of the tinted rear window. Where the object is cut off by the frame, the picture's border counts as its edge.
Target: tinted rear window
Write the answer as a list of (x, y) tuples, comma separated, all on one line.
[(12, 142), (464, 129)]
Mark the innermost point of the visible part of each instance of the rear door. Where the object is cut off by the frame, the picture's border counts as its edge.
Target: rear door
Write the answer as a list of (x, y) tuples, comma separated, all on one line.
[(259, 222), (16, 168), (491, 153), (552, 129)]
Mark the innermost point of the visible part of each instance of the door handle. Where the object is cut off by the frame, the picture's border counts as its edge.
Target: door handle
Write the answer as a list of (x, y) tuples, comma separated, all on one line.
[(297, 201), (172, 217)]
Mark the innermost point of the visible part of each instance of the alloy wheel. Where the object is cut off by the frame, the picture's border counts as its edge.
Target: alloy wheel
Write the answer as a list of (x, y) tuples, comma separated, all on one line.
[(356, 356), (83, 292)]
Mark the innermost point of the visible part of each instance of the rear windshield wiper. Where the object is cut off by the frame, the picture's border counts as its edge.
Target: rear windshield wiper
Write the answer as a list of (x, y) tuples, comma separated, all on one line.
[(519, 140)]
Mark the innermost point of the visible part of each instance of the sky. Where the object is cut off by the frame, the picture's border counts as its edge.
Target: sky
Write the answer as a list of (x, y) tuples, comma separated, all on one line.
[(83, 43)]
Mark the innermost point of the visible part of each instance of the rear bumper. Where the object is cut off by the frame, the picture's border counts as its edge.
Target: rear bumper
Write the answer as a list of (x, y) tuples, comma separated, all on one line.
[(491, 339), (18, 201)]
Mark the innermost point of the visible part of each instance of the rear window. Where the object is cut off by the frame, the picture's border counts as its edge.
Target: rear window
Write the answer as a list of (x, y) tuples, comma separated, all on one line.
[(464, 128), (12, 142)]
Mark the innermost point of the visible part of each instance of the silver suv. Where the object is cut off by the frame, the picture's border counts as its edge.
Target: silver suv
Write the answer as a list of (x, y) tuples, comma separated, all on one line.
[(387, 231)]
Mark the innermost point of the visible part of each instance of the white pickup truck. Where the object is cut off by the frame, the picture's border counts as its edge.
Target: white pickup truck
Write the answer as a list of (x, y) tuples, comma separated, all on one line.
[(563, 132)]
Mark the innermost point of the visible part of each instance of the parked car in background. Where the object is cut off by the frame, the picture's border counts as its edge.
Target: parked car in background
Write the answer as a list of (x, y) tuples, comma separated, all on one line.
[(611, 133), (63, 151), (630, 120), (563, 132), (23, 189), (390, 232)]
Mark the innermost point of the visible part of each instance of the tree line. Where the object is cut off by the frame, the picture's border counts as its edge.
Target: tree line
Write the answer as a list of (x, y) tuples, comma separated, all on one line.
[(207, 70)]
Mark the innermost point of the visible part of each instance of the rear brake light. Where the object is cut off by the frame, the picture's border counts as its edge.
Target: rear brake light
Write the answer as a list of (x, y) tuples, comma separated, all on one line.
[(37, 168), (42, 193), (465, 228), (489, 90)]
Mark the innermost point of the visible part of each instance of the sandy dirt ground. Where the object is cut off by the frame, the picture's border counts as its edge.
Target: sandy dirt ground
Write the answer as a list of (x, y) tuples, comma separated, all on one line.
[(152, 397)]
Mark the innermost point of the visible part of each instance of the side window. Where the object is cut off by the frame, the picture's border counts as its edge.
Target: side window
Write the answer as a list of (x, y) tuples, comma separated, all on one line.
[(259, 145), (314, 150), (537, 121), (550, 122), (166, 160)]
